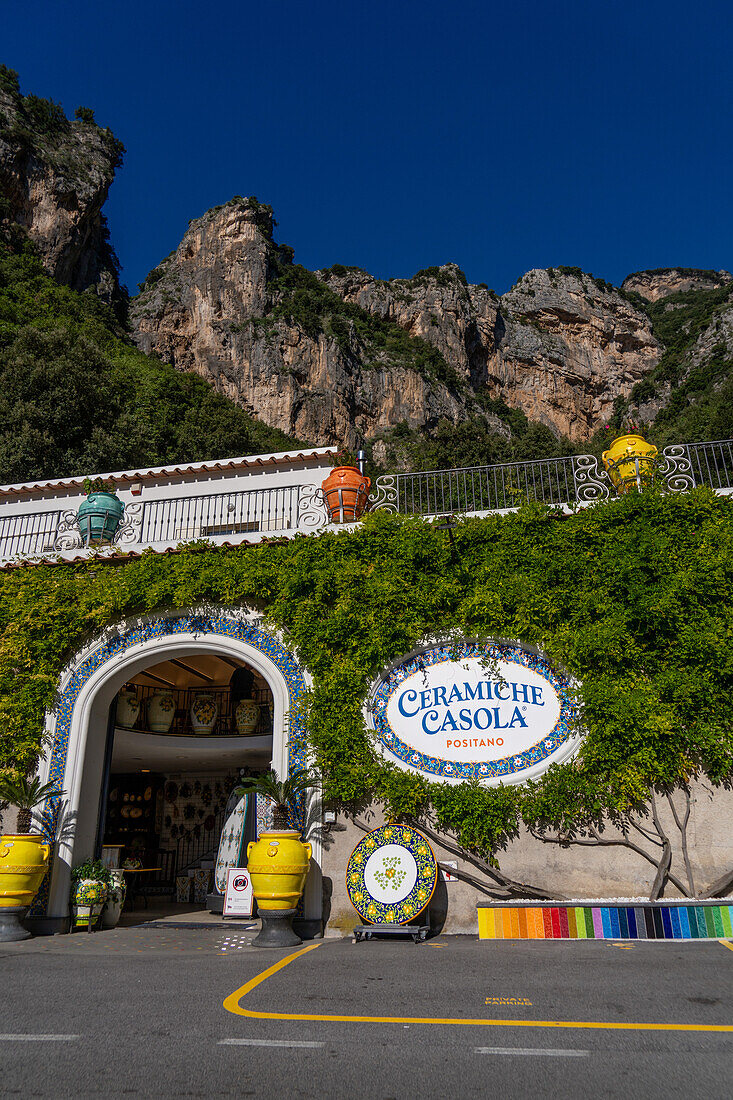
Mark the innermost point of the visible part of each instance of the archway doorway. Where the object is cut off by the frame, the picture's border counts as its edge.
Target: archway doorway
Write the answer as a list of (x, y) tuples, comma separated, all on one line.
[(182, 733), (87, 750)]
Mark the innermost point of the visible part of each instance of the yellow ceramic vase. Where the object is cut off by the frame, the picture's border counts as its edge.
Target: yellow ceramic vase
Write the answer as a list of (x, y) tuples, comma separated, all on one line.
[(23, 863), (278, 864), (630, 462)]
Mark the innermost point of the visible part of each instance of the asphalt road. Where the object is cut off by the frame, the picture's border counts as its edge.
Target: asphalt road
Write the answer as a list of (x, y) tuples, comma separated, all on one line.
[(140, 1012)]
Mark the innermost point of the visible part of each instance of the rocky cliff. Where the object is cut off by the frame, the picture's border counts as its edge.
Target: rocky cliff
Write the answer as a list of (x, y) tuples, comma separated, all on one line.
[(689, 394), (230, 306), (341, 357), (559, 345), (664, 281), (54, 178)]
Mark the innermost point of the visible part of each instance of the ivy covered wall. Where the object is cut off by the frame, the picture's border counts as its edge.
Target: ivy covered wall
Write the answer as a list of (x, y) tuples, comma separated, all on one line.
[(633, 597)]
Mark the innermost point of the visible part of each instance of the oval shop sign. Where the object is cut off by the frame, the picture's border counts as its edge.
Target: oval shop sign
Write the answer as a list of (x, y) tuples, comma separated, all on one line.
[(489, 711)]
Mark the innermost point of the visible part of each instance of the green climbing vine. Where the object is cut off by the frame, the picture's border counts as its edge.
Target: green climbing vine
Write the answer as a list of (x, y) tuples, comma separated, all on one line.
[(633, 597)]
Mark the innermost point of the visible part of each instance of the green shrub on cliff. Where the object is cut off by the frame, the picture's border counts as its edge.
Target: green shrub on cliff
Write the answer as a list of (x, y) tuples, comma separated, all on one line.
[(697, 399), (76, 396), (302, 298)]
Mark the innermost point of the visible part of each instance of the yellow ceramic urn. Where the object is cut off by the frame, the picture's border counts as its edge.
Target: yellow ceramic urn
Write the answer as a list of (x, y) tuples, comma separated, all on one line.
[(630, 462), (23, 863), (278, 863)]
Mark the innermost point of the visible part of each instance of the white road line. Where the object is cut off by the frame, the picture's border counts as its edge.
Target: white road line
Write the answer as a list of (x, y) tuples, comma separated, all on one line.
[(533, 1050), (267, 1043), (39, 1038)]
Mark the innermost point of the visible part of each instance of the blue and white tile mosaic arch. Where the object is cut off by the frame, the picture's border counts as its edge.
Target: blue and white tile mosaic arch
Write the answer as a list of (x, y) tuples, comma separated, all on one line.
[(228, 626), (454, 769)]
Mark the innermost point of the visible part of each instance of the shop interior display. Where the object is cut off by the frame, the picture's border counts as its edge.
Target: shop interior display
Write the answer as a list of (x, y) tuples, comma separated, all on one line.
[(167, 810)]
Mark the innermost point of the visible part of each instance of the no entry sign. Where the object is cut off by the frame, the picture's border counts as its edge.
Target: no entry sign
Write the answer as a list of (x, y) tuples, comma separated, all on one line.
[(238, 897)]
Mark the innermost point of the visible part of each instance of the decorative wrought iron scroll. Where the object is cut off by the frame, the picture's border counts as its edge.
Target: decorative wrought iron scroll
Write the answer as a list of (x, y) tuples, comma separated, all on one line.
[(676, 468), (68, 536), (130, 529), (386, 496), (590, 483), (312, 511)]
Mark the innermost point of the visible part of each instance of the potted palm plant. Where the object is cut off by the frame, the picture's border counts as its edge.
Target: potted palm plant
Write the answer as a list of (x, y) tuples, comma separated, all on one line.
[(23, 854), (278, 860), (100, 514)]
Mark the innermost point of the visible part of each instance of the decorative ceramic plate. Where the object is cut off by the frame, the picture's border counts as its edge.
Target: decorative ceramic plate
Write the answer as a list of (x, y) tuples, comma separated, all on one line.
[(391, 875)]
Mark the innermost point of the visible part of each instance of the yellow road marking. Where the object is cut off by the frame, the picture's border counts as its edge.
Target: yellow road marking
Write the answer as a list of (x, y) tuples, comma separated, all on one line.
[(726, 944), (231, 1004)]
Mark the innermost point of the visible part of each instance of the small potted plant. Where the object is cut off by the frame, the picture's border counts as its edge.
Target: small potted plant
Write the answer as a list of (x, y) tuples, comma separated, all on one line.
[(346, 489), (24, 854), (101, 513), (278, 860), (91, 883)]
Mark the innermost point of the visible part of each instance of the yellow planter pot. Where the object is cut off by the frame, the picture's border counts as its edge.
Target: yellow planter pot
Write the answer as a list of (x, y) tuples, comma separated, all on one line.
[(278, 864), (630, 462), (23, 863)]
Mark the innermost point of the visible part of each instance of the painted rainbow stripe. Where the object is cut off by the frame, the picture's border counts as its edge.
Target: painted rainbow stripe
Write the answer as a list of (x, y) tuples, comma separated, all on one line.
[(605, 922)]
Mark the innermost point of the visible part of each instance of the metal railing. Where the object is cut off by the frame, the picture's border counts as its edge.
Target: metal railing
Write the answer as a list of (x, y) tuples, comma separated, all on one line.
[(226, 723), (196, 842), (576, 479), (553, 481), (486, 488), (171, 520), (709, 463), (29, 536), (185, 518)]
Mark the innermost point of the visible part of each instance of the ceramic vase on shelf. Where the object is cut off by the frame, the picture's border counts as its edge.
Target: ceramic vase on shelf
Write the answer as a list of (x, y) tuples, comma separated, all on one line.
[(247, 716), (161, 711), (128, 708), (204, 712)]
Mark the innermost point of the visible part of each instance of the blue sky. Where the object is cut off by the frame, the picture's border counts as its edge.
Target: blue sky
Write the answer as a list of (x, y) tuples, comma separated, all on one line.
[(399, 135)]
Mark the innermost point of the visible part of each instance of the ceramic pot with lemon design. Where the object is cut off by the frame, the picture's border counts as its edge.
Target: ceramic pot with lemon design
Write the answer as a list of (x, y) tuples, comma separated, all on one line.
[(23, 863), (278, 863), (87, 902), (204, 712)]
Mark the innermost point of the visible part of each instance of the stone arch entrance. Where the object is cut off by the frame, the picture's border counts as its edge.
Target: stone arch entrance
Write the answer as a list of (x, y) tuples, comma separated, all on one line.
[(78, 725)]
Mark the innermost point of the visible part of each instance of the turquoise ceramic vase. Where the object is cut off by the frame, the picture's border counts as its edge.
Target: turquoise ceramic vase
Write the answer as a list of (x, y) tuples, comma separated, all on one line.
[(99, 517)]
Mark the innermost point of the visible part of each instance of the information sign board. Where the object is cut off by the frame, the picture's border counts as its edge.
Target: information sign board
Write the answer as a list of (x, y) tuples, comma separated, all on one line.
[(238, 897)]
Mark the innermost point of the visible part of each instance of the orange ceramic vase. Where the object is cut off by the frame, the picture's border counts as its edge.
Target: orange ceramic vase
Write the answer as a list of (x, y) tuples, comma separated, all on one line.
[(346, 492)]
